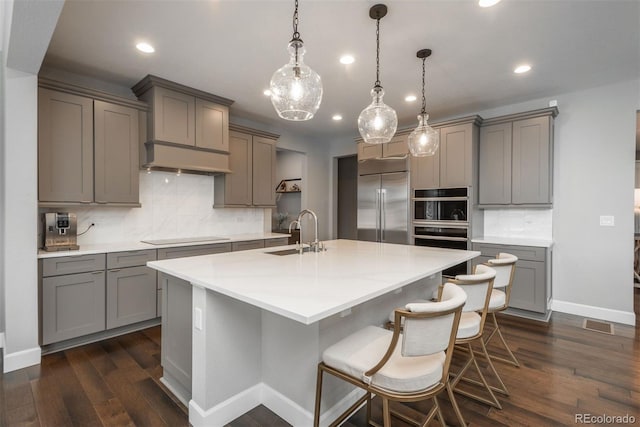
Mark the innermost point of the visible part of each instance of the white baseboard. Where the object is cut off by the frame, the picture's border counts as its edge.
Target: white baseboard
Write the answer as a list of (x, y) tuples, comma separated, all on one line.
[(21, 359), (248, 399), (618, 316), (227, 411), (1, 339)]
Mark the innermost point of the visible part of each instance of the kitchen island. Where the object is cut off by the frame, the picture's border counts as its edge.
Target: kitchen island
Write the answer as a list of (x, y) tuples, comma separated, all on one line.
[(248, 328)]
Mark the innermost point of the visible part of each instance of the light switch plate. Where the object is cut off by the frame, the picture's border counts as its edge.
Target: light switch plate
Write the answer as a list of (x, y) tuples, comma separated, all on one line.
[(607, 220)]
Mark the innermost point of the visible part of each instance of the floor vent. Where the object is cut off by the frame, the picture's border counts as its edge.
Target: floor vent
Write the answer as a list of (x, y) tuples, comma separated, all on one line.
[(598, 326)]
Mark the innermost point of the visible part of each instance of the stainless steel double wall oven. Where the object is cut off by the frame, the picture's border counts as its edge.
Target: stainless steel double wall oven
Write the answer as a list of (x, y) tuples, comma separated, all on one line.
[(441, 219)]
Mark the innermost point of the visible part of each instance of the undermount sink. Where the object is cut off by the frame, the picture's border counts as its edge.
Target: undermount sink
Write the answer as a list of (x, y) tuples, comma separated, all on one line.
[(292, 251)]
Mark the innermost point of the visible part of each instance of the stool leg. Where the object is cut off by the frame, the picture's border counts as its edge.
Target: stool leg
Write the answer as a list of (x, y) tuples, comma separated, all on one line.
[(386, 414), (439, 412), (454, 403), (316, 415), (513, 360)]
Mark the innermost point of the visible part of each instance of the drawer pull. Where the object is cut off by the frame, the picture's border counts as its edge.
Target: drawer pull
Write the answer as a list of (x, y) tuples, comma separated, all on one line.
[(115, 270), (97, 272)]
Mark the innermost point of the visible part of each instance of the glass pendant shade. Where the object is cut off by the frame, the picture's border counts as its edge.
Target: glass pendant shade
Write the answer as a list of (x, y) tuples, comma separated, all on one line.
[(378, 122), (424, 140), (296, 90)]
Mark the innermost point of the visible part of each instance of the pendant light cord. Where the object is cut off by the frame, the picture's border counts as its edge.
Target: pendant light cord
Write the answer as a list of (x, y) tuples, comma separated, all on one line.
[(296, 34), (424, 100), (377, 83)]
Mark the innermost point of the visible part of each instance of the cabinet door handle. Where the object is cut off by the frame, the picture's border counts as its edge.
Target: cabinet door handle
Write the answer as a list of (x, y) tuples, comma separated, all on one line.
[(85, 201), (97, 272), (102, 202), (114, 270)]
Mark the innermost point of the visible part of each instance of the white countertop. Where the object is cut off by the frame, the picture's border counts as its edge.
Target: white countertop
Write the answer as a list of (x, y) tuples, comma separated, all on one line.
[(136, 246), (516, 241), (313, 286)]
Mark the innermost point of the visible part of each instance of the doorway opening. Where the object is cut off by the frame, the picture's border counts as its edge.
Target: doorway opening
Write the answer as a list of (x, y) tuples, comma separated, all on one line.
[(347, 202)]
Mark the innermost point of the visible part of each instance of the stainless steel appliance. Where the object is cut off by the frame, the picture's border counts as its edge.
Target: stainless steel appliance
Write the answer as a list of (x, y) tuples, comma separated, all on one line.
[(440, 219), (383, 201), (60, 231)]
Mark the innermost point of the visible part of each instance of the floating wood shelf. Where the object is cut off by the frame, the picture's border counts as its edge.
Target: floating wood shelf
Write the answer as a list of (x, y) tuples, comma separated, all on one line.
[(291, 185)]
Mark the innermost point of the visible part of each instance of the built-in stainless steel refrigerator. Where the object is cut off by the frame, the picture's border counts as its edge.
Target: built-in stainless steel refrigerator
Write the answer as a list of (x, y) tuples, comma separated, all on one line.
[(383, 201)]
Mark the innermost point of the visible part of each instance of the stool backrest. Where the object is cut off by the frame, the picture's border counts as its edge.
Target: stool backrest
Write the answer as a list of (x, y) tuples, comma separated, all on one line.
[(505, 266), (429, 328), (478, 287)]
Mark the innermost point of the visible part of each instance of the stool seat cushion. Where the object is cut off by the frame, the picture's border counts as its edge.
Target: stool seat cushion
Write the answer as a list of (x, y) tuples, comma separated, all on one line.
[(498, 299), (469, 324), (360, 351)]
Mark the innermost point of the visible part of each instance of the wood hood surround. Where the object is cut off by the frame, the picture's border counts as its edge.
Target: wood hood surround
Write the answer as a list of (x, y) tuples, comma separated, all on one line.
[(187, 129)]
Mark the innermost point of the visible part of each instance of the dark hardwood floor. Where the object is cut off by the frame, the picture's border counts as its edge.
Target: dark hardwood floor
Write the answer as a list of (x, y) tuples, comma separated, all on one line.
[(566, 370)]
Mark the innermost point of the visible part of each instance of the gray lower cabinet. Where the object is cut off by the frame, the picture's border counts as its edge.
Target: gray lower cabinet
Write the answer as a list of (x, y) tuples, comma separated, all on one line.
[(186, 251), (532, 279), (247, 245), (131, 296), (280, 241), (72, 305)]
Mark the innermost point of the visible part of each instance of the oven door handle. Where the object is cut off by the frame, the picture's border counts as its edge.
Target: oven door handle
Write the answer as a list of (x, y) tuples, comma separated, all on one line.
[(439, 199), (452, 239), (441, 224)]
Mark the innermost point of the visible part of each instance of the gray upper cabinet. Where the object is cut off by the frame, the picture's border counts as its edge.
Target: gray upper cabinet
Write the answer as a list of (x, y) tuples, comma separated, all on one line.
[(212, 125), (264, 171), (87, 146), (252, 160), (397, 147), (116, 163), (453, 164), (65, 147), (495, 164), (515, 160)]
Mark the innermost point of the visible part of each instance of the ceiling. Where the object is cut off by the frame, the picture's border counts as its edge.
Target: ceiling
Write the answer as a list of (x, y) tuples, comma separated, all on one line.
[(232, 47)]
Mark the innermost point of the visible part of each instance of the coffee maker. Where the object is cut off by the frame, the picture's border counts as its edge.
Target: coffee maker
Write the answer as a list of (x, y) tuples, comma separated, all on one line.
[(59, 231)]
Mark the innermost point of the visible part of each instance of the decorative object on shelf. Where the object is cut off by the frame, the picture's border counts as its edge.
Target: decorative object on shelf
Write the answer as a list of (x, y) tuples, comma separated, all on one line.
[(296, 90), (378, 122), (291, 185), (424, 140)]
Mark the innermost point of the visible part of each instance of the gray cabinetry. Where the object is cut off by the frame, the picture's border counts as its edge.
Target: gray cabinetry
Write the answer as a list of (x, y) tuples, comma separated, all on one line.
[(87, 146), (453, 164), (131, 295), (397, 147), (212, 125), (65, 147), (116, 163), (515, 160), (173, 116), (247, 245), (252, 159), (72, 297), (280, 241), (532, 280), (186, 251)]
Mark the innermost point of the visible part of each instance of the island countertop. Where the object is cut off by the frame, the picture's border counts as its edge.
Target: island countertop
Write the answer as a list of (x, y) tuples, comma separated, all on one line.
[(313, 286)]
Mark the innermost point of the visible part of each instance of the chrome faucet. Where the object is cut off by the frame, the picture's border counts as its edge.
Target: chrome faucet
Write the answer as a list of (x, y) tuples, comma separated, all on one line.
[(315, 245), (295, 221)]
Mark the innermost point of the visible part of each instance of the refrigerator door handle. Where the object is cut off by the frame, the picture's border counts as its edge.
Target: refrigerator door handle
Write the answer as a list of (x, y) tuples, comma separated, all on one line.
[(377, 214), (383, 214)]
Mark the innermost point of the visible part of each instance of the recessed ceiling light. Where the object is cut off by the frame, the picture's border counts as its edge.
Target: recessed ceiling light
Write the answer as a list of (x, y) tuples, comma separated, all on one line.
[(145, 47), (488, 3), (522, 68), (410, 98), (267, 92), (337, 117), (347, 59)]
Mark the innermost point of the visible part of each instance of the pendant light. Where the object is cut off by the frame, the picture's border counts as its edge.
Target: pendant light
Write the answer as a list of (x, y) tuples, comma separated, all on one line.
[(378, 122), (296, 90), (424, 140)]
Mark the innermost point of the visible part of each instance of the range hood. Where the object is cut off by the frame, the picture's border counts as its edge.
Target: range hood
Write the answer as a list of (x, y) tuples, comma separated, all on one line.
[(186, 130)]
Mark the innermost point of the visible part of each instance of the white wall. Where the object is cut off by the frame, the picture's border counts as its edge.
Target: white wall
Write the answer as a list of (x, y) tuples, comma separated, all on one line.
[(172, 206)]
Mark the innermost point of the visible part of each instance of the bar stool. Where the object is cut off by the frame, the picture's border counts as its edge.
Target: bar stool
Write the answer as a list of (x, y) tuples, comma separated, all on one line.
[(478, 287), (505, 265), (406, 366)]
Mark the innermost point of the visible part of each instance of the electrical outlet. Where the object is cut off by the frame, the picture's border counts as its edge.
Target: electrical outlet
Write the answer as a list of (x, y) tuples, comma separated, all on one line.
[(607, 220)]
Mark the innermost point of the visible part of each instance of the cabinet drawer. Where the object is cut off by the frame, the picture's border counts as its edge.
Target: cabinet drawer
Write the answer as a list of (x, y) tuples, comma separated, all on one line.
[(72, 264), (185, 251), (526, 253), (131, 296), (130, 258), (72, 306), (281, 241), (245, 246)]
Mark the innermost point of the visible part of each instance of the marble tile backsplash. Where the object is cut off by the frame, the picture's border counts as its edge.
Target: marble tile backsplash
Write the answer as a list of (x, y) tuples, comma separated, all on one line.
[(529, 223), (172, 206)]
